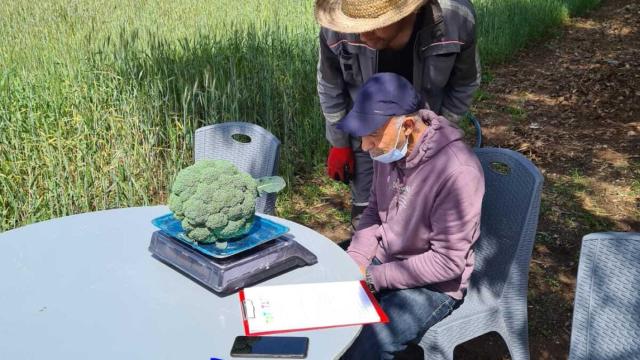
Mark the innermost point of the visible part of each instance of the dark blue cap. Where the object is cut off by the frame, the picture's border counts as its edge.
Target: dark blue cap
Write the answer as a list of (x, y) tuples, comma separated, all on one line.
[(382, 96)]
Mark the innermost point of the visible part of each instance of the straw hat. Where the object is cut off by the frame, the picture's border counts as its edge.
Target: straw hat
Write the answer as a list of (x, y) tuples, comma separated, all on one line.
[(358, 16)]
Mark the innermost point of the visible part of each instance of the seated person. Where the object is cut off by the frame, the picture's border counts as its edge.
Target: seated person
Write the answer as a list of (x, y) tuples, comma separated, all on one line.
[(414, 243)]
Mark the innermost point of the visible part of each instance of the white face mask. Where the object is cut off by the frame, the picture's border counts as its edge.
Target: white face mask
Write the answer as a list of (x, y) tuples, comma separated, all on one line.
[(395, 154)]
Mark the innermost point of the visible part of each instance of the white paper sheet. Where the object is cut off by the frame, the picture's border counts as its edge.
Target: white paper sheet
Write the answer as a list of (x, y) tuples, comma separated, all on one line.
[(281, 308)]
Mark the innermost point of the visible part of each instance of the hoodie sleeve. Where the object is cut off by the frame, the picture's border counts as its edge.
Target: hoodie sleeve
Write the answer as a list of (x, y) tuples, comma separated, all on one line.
[(455, 221), (364, 242)]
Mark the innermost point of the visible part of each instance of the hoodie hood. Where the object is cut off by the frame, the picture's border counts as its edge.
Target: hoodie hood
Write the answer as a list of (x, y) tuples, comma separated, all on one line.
[(440, 133)]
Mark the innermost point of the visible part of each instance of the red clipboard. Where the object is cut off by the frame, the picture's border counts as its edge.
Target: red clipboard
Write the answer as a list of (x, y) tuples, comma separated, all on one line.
[(382, 316)]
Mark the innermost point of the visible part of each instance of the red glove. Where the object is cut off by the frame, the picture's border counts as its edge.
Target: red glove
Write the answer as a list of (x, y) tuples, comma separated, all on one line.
[(340, 163)]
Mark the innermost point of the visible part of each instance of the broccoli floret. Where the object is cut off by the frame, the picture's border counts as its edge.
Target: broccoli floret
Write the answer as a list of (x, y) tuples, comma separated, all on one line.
[(214, 200)]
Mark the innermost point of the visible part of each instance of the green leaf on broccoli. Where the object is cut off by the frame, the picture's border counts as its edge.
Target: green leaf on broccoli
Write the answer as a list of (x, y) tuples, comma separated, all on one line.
[(270, 184)]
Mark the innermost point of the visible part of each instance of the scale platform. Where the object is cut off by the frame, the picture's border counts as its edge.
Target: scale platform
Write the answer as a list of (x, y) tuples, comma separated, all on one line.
[(228, 274)]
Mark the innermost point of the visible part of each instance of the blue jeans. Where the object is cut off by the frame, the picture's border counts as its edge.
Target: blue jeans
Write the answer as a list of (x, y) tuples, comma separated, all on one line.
[(411, 313)]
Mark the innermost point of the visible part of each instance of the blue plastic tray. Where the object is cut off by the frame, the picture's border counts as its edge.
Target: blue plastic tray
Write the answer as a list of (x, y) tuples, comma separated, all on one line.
[(263, 230)]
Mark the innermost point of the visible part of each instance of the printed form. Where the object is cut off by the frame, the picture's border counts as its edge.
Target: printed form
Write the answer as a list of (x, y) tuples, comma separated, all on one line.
[(282, 308)]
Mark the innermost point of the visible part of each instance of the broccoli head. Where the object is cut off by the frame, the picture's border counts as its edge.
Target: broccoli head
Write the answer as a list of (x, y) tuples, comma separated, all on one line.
[(214, 200)]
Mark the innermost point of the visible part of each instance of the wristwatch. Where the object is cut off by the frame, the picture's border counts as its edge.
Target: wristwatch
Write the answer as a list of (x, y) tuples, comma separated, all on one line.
[(369, 280)]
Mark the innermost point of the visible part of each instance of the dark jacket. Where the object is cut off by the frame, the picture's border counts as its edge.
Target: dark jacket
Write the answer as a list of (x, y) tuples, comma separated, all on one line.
[(446, 66)]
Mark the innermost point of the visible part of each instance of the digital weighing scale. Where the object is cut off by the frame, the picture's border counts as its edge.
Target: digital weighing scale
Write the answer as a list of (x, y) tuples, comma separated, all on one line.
[(264, 252)]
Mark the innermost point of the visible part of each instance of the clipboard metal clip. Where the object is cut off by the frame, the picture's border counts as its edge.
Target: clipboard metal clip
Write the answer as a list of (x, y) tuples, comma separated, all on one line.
[(248, 310)]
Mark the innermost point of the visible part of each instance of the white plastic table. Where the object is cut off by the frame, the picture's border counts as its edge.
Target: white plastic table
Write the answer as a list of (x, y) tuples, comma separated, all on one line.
[(86, 287)]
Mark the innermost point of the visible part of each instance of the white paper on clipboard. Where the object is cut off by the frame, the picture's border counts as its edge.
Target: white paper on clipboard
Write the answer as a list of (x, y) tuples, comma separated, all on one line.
[(282, 308)]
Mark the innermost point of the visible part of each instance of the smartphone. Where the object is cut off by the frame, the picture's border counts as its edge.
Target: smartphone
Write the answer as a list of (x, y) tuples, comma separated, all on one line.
[(290, 347)]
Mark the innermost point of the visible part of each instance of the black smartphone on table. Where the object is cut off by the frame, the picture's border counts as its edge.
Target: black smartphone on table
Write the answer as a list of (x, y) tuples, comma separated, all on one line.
[(288, 347)]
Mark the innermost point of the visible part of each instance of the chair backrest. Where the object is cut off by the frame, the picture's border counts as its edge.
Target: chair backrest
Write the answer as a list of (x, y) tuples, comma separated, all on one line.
[(509, 219), (606, 314), (476, 124), (249, 147)]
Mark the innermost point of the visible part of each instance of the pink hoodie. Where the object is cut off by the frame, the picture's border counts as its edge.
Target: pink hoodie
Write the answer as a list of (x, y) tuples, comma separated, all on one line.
[(424, 214)]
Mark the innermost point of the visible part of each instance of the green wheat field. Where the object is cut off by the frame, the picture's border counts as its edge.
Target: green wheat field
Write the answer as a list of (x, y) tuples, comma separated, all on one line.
[(99, 100)]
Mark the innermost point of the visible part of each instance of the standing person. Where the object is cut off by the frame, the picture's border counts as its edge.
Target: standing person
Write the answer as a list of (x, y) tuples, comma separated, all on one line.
[(431, 43), (414, 242)]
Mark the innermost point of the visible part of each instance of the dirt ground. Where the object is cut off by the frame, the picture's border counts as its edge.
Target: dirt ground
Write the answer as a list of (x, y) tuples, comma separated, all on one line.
[(571, 104)]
